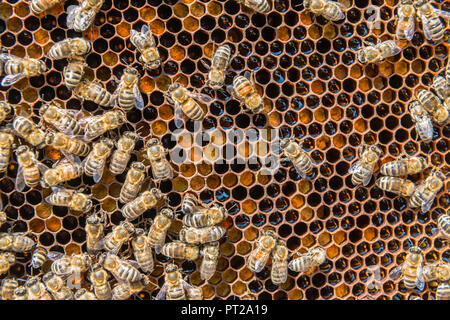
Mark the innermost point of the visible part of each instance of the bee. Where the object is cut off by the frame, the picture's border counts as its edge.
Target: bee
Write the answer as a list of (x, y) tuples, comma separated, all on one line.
[(219, 64), (64, 170), (280, 257), (122, 270), (99, 279), (438, 271), (73, 199), (39, 6), (362, 170), (119, 235), (260, 255), (61, 119), (36, 290), (21, 293), (184, 103), (64, 265), (444, 225), (400, 186), (146, 45), (146, 200), (194, 293), (261, 6), (69, 48), (443, 291), (39, 257), (373, 53), (121, 156), (204, 235), (429, 15), (128, 94), (157, 233), (419, 115), (404, 166), (442, 88), (67, 145), (180, 250), (95, 162), (156, 153), (411, 270), (124, 290), (6, 146), (16, 242), (56, 286), (330, 10), (29, 168), (300, 159), (133, 182), (406, 14), (205, 217), (425, 193), (98, 125), (6, 110), (432, 104), (189, 205), (244, 90), (26, 129), (142, 251), (80, 17), (94, 231), (74, 71), (93, 91), (308, 261), (17, 68), (7, 259), (8, 287), (210, 253), (83, 294), (174, 286)]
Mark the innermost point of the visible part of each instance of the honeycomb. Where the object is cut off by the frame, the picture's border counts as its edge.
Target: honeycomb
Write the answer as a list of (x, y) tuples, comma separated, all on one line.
[(314, 89)]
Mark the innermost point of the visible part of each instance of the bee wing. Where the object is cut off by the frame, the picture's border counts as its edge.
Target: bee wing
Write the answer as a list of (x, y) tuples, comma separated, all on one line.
[(5, 57), (42, 167), (247, 75), (88, 19), (99, 172), (206, 65), (178, 116), (200, 96), (426, 27), (54, 255), (409, 30), (367, 178), (426, 206), (425, 126), (355, 167), (162, 292), (420, 283), (139, 100), (441, 13), (71, 13), (133, 263), (99, 245), (10, 79), (186, 285), (20, 179), (396, 272), (73, 159), (301, 173)]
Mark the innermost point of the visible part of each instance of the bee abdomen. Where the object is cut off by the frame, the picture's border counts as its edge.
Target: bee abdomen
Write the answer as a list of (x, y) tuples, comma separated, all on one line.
[(394, 168), (192, 110), (13, 67), (279, 274), (32, 176), (126, 99), (128, 273), (443, 291), (196, 220), (176, 294), (119, 161), (304, 163), (221, 57), (128, 193), (359, 176), (444, 223), (72, 75), (242, 86), (4, 159), (161, 170), (436, 28)]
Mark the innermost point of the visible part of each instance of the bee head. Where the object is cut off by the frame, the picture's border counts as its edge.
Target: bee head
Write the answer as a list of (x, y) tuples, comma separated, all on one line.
[(171, 268), (168, 213), (139, 166), (22, 149), (42, 67), (361, 56), (131, 135)]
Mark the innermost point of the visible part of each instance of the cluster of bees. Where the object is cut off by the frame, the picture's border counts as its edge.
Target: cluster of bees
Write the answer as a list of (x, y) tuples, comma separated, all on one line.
[(73, 135)]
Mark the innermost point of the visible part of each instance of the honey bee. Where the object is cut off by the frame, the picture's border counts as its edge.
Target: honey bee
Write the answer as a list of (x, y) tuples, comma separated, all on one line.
[(180, 250), (73, 199), (142, 251), (438, 271), (204, 235), (64, 170), (67, 145), (121, 156), (69, 48), (128, 94), (39, 6), (56, 286), (442, 89), (411, 270), (330, 10), (308, 261), (146, 45), (61, 119), (244, 90), (98, 125), (174, 287), (406, 14), (29, 168), (425, 193), (6, 110), (210, 253), (362, 170), (300, 159), (124, 290), (8, 287), (432, 104), (21, 293), (424, 127), (404, 166), (443, 291), (6, 146), (205, 217), (184, 103), (119, 235), (80, 17), (122, 270), (157, 233), (7, 259), (373, 53), (16, 242), (133, 182), (95, 224), (261, 6), (146, 200), (17, 68), (260, 255), (219, 64), (83, 294), (95, 162), (99, 279), (156, 153), (74, 71), (429, 15), (400, 186), (444, 225), (280, 257), (190, 204), (26, 129), (93, 91), (36, 290), (39, 257), (64, 265)]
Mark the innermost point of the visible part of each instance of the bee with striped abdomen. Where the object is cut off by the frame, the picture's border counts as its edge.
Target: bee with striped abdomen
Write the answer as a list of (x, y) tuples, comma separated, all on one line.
[(425, 193), (98, 125), (80, 17), (146, 200), (61, 119), (118, 236), (442, 89), (142, 251), (444, 225), (328, 9), (95, 162), (64, 265), (74, 71), (122, 154), (210, 253), (6, 146), (39, 257), (133, 182), (156, 153), (69, 48), (6, 110), (174, 287), (411, 270), (37, 290), (64, 170), (157, 233), (29, 168), (189, 205), (300, 159), (180, 250), (373, 53), (67, 145), (184, 102), (124, 290), (260, 255), (73, 199), (95, 225), (443, 291), (432, 26), (308, 261), (99, 279), (261, 6), (406, 14), (205, 217), (220, 61), (404, 166), (362, 170), (438, 271), (420, 116), (280, 256), (26, 129), (39, 6), (83, 294), (16, 242), (122, 270), (438, 112), (7, 259), (204, 235), (17, 68), (93, 91), (128, 94), (56, 286), (8, 287), (145, 43), (400, 186), (244, 90)]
